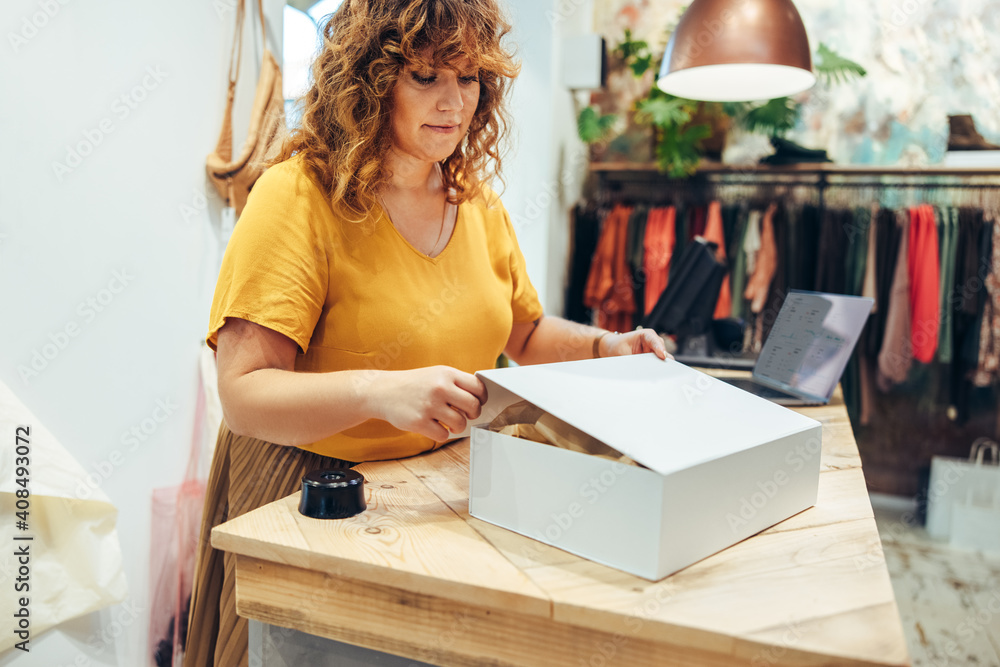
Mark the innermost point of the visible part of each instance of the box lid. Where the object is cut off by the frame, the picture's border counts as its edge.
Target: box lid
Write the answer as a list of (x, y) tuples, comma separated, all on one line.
[(663, 414)]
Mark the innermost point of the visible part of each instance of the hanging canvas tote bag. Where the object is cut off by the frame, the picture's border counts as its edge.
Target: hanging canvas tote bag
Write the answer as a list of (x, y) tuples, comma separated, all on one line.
[(232, 177)]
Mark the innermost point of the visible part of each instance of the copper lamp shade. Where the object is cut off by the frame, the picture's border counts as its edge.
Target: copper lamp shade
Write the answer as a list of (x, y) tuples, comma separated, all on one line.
[(736, 51)]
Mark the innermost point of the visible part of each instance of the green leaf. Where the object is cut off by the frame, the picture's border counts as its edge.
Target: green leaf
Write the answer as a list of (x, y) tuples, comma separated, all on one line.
[(774, 117), (736, 109), (831, 67), (677, 151), (641, 64), (629, 47), (635, 54), (663, 112), (593, 127)]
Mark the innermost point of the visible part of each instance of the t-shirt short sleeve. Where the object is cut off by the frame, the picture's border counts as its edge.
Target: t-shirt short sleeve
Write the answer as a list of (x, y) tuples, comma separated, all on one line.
[(275, 271), (524, 299)]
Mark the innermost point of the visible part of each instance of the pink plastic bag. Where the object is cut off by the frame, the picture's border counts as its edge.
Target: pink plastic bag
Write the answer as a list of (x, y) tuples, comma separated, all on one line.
[(173, 548)]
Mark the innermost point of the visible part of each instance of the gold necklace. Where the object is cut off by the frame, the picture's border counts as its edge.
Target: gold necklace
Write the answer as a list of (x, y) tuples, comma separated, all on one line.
[(444, 215)]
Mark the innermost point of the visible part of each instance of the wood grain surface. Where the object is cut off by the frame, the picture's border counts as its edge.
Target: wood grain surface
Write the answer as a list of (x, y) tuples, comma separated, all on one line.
[(417, 576)]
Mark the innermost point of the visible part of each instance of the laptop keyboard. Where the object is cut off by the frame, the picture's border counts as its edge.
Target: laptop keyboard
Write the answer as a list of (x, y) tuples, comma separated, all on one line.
[(755, 388)]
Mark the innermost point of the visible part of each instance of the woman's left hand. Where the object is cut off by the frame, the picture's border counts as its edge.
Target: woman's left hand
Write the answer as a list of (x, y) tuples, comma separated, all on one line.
[(633, 342)]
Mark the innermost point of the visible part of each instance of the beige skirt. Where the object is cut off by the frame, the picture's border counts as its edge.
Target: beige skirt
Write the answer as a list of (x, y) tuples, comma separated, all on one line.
[(247, 473)]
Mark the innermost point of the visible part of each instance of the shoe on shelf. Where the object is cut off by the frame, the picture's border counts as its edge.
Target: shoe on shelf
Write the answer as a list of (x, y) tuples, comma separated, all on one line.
[(788, 152), (963, 136)]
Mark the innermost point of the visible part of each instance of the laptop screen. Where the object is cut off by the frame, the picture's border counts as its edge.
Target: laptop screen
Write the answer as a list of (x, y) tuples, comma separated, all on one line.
[(811, 341)]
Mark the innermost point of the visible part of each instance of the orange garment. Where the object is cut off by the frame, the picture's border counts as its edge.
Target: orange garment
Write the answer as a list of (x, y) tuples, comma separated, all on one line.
[(924, 272), (609, 285), (600, 278), (759, 283), (658, 248), (358, 296), (715, 234), (896, 355)]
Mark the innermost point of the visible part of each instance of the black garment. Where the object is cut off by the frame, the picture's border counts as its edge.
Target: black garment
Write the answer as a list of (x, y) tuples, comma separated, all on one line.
[(731, 230), (586, 229), (965, 301), (887, 237), (681, 227), (831, 262), (806, 253), (779, 283), (856, 264), (634, 253)]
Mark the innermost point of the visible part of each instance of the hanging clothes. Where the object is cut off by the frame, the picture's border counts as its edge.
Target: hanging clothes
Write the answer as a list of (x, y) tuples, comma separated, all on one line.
[(831, 262), (868, 281), (887, 237), (866, 369), (779, 284), (925, 277), (807, 226), (988, 366), (751, 242), (586, 230), (731, 218), (948, 215), (714, 234), (634, 252), (698, 219), (765, 264), (856, 250), (965, 307), (738, 265), (658, 247), (855, 268), (681, 225), (896, 354), (751, 249), (609, 285)]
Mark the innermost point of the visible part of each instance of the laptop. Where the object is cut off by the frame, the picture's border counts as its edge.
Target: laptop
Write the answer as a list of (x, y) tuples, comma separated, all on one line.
[(807, 348)]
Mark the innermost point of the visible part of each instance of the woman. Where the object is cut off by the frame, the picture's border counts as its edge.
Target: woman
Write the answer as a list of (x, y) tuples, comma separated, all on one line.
[(371, 274)]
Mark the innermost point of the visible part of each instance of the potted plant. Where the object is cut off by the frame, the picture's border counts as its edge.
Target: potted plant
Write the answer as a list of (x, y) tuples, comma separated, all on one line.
[(685, 131)]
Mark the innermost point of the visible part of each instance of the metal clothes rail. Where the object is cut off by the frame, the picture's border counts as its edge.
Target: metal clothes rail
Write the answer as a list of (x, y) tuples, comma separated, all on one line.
[(814, 182)]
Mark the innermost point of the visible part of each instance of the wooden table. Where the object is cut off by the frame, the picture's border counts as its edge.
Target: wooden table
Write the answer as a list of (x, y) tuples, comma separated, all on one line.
[(418, 577)]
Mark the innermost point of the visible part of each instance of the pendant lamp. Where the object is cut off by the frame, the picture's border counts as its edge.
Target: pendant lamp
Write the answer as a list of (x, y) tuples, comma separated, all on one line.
[(737, 51)]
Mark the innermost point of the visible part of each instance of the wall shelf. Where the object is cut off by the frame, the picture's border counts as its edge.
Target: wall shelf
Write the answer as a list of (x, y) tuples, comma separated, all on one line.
[(827, 168)]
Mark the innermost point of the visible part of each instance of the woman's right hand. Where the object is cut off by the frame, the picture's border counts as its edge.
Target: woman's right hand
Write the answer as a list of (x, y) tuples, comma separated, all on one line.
[(436, 402)]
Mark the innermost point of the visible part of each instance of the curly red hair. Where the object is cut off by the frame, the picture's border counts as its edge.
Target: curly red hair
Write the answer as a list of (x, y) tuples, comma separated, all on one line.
[(345, 132)]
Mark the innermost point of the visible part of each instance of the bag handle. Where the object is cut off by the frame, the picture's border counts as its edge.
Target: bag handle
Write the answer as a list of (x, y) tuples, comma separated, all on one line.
[(224, 147), (236, 52), (263, 25), (979, 449), (197, 432)]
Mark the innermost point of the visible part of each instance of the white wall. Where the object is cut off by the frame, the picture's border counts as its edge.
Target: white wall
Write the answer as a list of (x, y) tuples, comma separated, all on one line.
[(548, 163), (134, 206)]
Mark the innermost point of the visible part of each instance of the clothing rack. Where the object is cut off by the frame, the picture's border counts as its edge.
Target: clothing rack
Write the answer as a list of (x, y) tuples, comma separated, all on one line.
[(809, 181), (937, 409)]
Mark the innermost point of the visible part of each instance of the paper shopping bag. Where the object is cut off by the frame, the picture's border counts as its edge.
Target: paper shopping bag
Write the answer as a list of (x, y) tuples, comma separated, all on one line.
[(955, 480)]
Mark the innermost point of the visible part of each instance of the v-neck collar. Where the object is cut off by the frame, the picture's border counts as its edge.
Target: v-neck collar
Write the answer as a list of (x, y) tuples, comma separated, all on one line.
[(384, 215)]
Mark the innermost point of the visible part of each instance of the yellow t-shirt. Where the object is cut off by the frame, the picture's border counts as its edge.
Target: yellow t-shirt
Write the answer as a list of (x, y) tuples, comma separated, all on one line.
[(359, 296)]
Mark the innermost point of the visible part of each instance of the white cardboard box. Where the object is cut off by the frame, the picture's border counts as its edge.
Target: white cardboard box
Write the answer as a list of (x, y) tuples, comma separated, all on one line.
[(721, 464)]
